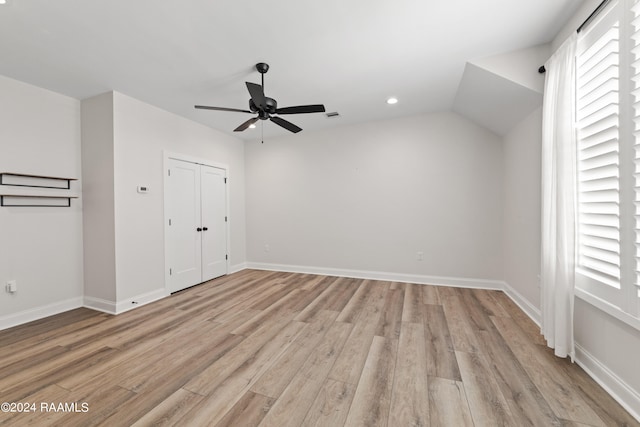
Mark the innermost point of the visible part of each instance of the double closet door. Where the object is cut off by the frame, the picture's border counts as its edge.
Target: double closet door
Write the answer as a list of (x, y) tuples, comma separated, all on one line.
[(196, 229)]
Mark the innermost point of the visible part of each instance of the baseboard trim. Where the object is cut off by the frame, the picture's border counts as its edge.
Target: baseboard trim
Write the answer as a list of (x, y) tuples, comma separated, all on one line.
[(238, 267), (140, 300), (100, 304), (626, 396), (119, 307), (456, 282), (26, 316), (530, 310)]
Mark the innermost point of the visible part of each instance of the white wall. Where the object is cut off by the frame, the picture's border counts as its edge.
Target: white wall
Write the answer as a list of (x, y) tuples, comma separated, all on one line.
[(122, 147), (142, 132), (41, 248), (136, 135), (98, 198), (369, 197), (522, 226)]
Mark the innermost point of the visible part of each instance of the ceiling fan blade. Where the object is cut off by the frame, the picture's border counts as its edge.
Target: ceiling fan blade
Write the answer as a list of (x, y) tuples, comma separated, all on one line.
[(301, 109), (206, 107), (257, 94), (285, 124), (246, 124)]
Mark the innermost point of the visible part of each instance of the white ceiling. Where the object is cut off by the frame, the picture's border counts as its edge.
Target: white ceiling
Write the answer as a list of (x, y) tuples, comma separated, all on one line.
[(349, 55)]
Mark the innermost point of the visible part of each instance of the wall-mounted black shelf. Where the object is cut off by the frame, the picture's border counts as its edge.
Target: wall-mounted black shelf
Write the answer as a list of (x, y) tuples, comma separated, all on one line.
[(35, 181), (5, 200), (5, 179)]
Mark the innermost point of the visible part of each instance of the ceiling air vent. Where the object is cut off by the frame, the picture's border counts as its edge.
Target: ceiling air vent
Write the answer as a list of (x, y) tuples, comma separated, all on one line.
[(333, 114)]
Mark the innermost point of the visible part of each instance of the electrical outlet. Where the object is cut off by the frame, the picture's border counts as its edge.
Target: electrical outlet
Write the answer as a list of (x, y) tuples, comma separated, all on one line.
[(12, 286), (420, 256), (266, 248)]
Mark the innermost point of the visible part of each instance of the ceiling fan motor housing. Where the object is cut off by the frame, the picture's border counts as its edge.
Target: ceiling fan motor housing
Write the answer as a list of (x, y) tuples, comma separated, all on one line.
[(271, 107)]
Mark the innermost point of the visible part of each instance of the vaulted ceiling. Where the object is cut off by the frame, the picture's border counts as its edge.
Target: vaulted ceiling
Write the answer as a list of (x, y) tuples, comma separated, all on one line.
[(349, 55)]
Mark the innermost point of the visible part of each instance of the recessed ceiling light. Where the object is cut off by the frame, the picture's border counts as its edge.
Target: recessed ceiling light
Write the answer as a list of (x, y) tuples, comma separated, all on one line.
[(392, 101), (3, 1), (250, 126)]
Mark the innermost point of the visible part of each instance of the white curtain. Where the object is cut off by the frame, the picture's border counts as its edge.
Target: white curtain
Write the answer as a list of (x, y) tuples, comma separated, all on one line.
[(559, 199)]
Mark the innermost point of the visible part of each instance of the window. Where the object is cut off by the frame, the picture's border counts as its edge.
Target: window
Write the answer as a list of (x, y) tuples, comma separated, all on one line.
[(608, 144)]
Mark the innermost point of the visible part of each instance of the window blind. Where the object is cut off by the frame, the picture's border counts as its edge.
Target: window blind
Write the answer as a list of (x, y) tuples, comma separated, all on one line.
[(598, 119), (635, 95)]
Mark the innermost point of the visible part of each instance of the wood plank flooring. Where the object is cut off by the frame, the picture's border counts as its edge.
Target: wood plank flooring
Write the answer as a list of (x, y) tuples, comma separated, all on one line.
[(279, 349)]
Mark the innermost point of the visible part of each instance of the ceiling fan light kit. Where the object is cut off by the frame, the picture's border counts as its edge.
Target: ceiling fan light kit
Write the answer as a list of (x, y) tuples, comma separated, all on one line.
[(267, 108)]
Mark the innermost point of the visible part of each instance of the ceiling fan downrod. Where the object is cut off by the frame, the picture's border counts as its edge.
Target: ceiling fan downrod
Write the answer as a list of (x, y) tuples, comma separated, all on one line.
[(262, 68)]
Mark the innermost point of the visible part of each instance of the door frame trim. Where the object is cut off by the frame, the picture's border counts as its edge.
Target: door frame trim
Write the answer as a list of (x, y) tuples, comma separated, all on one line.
[(169, 155)]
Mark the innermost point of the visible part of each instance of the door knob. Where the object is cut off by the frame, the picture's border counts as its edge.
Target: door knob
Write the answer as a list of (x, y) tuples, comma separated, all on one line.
[(198, 229), (204, 228)]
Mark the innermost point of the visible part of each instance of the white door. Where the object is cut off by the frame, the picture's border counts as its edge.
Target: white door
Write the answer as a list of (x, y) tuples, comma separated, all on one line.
[(196, 232), (183, 240), (214, 226)]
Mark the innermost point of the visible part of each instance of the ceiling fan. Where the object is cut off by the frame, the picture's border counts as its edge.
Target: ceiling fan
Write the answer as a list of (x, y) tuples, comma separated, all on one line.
[(266, 107)]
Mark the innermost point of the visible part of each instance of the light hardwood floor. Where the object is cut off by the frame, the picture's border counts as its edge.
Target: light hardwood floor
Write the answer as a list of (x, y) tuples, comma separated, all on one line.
[(283, 349)]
